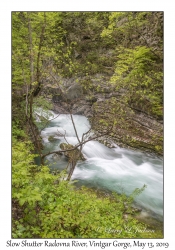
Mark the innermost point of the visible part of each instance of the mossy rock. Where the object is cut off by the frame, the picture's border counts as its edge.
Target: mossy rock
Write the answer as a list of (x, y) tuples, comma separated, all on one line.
[(72, 154), (51, 138)]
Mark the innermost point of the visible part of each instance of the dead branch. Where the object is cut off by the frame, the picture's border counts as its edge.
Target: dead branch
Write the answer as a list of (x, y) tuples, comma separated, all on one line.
[(75, 147)]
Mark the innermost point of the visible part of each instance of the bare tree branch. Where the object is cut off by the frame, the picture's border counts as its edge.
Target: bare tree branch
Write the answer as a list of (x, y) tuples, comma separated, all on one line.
[(74, 128), (75, 147)]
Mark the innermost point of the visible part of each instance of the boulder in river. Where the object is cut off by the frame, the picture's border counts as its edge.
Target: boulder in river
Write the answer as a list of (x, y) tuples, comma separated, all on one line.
[(52, 138), (72, 155)]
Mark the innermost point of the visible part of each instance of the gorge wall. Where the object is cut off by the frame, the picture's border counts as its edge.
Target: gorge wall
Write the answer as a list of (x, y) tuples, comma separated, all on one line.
[(80, 82)]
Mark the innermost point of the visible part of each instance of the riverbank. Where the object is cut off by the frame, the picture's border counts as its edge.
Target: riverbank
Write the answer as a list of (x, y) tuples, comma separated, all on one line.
[(46, 206)]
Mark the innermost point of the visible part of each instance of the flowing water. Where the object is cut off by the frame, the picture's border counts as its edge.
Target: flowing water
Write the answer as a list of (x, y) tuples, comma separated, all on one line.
[(116, 169)]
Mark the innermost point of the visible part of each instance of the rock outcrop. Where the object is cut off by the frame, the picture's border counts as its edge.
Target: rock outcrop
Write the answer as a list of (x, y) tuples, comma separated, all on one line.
[(72, 98)]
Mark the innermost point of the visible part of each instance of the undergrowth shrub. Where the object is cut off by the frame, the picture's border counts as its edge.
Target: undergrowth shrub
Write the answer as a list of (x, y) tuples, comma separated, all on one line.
[(47, 206)]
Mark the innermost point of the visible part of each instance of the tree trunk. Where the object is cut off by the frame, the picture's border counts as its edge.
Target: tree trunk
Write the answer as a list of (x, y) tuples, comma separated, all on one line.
[(38, 73), (31, 66)]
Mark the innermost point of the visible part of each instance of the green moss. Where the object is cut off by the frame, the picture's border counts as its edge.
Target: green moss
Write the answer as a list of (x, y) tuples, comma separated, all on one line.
[(51, 138)]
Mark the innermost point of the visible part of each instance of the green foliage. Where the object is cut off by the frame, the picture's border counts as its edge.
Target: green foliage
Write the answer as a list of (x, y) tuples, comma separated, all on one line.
[(41, 108), (125, 28), (41, 102), (49, 207), (17, 132), (36, 44), (137, 72)]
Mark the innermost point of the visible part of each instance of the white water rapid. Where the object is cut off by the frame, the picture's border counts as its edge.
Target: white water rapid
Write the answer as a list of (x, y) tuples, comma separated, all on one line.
[(116, 169)]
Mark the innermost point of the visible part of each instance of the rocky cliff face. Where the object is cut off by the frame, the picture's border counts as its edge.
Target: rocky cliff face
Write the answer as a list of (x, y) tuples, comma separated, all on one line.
[(144, 132)]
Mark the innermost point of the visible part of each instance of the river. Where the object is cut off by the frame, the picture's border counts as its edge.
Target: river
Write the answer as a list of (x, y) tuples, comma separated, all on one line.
[(116, 169)]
